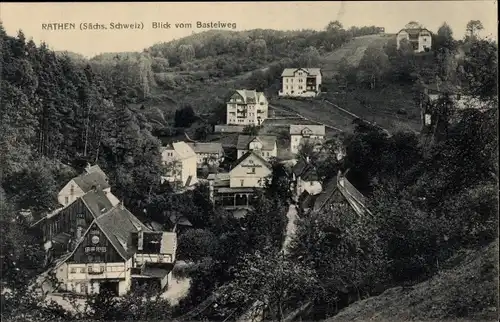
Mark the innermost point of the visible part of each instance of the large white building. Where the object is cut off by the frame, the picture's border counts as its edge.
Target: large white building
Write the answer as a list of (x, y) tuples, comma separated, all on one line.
[(180, 162), (300, 82), (247, 107), (420, 39)]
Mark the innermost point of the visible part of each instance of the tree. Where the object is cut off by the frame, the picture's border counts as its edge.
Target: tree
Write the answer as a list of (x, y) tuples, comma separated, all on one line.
[(444, 37), (480, 69), (184, 117), (413, 25), (310, 57), (334, 26), (374, 65), (267, 280), (473, 27), (195, 244)]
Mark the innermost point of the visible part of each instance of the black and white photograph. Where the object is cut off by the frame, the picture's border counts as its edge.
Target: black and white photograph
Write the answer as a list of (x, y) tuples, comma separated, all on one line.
[(249, 161)]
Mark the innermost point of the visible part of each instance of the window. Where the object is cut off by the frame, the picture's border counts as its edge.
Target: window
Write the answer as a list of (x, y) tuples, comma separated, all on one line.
[(66, 200), (82, 270), (242, 182), (253, 171), (73, 270)]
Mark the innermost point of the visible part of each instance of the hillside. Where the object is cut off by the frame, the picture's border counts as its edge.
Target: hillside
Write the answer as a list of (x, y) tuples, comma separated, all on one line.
[(352, 51), (466, 291)]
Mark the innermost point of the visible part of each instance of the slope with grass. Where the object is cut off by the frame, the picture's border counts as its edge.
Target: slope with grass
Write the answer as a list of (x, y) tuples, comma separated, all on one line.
[(466, 289), (353, 51)]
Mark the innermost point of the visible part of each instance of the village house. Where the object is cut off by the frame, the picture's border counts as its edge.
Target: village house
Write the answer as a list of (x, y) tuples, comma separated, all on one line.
[(338, 193), (263, 145), (236, 188), (247, 107), (300, 82), (304, 177), (208, 153), (306, 133), (92, 178), (420, 39), (91, 242), (180, 162)]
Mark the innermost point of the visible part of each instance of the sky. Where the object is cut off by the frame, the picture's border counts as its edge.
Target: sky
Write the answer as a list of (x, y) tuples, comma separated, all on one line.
[(393, 15)]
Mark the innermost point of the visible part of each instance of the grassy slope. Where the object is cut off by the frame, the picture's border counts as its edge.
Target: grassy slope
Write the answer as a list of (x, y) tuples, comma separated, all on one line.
[(352, 51), (378, 105), (466, 290)]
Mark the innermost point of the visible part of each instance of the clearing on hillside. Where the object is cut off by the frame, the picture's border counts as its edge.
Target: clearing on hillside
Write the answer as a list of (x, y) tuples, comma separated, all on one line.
[(353, 51)]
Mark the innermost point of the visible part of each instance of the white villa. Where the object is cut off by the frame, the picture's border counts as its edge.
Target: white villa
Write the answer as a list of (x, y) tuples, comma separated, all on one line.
[(247, 107), (300, 82), (419, 38)]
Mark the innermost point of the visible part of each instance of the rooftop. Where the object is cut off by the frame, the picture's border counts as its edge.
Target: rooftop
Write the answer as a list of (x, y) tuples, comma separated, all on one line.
[(249, 154), (311, 129), (251, 96), (268, 141), (88, 181), (289, 72), (207, 147), (288, 121), (183, 150)]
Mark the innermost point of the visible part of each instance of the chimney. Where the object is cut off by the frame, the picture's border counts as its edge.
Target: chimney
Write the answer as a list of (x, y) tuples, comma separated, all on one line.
[(122, 207)]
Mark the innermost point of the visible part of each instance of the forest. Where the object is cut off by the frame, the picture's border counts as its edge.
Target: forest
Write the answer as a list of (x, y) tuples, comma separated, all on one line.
[(428, 201)]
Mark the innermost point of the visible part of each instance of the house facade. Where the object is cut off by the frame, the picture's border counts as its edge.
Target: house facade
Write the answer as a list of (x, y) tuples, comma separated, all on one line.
[(306, 133), (92, 178), (92, 243), (180, 163), (236, 188), (263, 145), (208, 153), (247, 107), (300, 82), (420, 39)]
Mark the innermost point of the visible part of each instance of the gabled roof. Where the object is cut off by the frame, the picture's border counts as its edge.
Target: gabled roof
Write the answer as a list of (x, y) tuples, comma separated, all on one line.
[(289, 72), (249, 154), (118, 224), (414, 32), (207, 147), (95, 168), (97, 202), (183, 150), (268, 141), (316, 129), (88, 181), (340, 184), (251, 96), (305, 170)]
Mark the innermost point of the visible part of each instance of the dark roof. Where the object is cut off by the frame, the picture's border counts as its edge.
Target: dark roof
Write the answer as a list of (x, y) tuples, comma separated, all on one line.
[(229, 140), (328, 191), (268, 141), (95, 168), (305, 170), (97, 202), (180, 219), (157, 272), (340, 184), (88, 181), (207, 147), (248, 154), (118, 224)]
